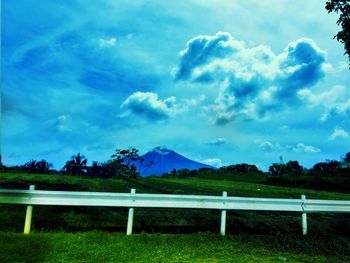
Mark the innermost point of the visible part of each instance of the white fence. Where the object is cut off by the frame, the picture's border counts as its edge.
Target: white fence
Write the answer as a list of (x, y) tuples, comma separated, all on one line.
[(66, 198)]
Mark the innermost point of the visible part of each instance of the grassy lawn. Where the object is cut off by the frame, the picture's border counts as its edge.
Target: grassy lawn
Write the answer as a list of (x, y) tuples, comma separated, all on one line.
[(74, 219), (93, 234), (237, 188), (199, 247), (249, 185)]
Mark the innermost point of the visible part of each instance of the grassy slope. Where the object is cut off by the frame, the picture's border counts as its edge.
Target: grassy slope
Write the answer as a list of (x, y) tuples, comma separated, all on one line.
[(241, 186), (74, 219), (200, 247), (328, 238)]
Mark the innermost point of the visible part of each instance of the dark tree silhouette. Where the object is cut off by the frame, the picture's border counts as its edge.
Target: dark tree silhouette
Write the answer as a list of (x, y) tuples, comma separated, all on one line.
[(127, 157), (290, 168), (101, 170), (343, 8), (328, 168), (347, 158), (34, 166), (239, 168), (123, 162), (76, 165), (43, 166), (30, 166)]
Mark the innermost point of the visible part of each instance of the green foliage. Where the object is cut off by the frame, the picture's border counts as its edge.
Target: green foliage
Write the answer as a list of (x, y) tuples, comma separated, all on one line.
[(77, 165), (329, 168), (343, 8), (231, 170), (347, 158), (34, 166), (200, 247), (239, 168), (291, 168), (122, 162)]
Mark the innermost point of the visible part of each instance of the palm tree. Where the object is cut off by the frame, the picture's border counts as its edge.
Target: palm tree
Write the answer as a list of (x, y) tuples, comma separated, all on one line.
[(76, 165), (43, 166)]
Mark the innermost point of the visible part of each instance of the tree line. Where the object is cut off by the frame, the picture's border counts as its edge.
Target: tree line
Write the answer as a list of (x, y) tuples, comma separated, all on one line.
[(121, 164), (126, 163)]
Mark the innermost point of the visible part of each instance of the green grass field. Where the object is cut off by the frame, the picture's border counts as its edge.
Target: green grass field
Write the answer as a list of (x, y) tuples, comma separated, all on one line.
[(200, 247), (90, 234)]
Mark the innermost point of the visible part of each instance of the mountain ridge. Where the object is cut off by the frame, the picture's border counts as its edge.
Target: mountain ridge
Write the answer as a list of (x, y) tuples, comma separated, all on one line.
[(161, 160)]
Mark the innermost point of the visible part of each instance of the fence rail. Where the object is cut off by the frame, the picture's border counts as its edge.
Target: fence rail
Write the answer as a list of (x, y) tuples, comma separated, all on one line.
[(133, 200)]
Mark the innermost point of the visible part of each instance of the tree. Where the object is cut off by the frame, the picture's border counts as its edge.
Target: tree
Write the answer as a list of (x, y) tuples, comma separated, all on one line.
[(239, 168), (347, 158), (76, 165), (30, 166), (43, 166), (329, 168), (34, 166), (294, 168), (290, 168), (277, 169), (127, 157), (342, 7), (123, 162), (101, 170)]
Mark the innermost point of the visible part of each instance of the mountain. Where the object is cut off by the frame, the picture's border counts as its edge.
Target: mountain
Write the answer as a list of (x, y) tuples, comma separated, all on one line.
[(164, 161)]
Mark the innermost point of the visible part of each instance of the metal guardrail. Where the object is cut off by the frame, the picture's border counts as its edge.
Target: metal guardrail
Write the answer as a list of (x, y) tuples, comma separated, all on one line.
[(133, 200)]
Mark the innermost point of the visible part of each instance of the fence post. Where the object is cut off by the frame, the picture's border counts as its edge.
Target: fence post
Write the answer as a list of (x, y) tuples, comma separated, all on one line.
[(29, 213), (303, 216), (223, 218), (130, 216)]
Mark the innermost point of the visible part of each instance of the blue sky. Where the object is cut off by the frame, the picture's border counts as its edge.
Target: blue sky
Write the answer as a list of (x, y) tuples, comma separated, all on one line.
[(220, 82)]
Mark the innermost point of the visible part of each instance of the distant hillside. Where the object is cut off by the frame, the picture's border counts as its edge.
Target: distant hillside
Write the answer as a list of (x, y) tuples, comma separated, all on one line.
[(165, 160)]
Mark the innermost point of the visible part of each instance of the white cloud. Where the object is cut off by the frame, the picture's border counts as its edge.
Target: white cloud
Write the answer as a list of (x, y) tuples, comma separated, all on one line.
[(301, 147), (339, 133), (216, 162), (111, 42), (338, 110), (217, 142), (149, 106), (252, 81), (269, 146), (62, 123), (329, 97)]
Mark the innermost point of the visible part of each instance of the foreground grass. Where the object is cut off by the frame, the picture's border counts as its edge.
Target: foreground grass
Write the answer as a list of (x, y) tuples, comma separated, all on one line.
[(200, 247)]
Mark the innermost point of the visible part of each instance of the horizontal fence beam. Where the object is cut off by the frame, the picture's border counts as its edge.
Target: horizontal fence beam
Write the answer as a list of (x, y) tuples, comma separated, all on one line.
[(69, 198)]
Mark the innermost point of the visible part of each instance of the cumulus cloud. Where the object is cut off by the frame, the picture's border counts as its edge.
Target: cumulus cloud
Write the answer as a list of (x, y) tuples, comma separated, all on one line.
[(339, 110), (329, 97), (217, 142), (253, 81), (111, 42), (269, 146), (339, 133), (149, 106), (203, 49), (216, 162), (301, 147)]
